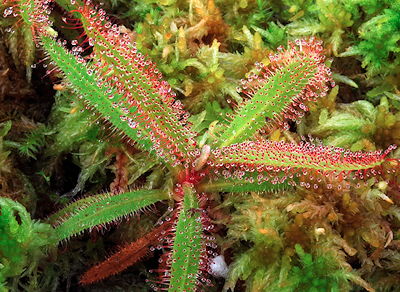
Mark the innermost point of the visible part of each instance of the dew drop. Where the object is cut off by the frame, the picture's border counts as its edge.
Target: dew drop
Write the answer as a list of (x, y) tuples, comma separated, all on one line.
[(132, 124), (8, 11)]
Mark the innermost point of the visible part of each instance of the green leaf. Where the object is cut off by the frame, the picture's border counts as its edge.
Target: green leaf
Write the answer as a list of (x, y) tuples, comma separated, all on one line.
[(249, 184), (344, 79), (5, 128), (101, 209), (186, 251), (341, 121), (274, 35), (277, 93), (212, 113), (85, 83), (265, 103), (33, 141), (23, 241), (147, 99), (276, 157), (366, 108)]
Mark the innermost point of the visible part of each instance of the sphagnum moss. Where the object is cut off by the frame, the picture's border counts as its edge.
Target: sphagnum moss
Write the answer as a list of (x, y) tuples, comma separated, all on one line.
[(127, 91)]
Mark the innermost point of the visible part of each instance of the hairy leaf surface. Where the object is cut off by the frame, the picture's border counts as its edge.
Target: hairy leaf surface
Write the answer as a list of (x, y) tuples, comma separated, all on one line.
[(102, 209)]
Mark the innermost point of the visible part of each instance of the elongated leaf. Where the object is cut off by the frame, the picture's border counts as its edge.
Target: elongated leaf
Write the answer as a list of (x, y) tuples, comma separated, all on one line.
[(249, 184), (187, 247), (276, 158), (127, 256), (102, 209), (29, 10), (146, 97), (86, 84), (294, 76), (124, 87)]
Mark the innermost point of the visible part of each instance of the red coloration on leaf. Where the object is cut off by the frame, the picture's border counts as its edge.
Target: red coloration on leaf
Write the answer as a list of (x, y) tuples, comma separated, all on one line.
[(32, 13), (208, 246), (147, 99), (282, 160), (126, 256), (302, 51), (120, 183), (147, 102)]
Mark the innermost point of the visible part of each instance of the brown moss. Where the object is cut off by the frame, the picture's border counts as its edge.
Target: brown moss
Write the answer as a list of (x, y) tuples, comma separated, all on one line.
[(209, 26)]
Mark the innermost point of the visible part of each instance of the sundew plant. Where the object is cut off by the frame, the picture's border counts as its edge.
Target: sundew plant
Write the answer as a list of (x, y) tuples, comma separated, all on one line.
[(258, 177)]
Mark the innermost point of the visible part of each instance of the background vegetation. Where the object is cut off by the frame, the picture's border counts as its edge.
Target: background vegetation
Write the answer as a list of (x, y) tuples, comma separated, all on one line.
[(53, 151)]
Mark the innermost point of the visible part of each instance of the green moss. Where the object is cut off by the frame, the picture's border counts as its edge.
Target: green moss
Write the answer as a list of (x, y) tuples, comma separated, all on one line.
[(23, 242), (296, 239)]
